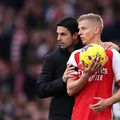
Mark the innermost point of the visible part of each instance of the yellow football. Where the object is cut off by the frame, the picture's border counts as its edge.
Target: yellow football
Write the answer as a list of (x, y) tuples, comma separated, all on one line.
[(92, 51)]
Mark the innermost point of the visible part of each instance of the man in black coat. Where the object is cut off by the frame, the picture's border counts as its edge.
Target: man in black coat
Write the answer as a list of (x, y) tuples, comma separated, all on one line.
[(52, 80)]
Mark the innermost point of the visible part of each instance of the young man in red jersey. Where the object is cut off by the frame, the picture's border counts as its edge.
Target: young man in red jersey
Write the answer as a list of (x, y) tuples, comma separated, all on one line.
[(93, 97)]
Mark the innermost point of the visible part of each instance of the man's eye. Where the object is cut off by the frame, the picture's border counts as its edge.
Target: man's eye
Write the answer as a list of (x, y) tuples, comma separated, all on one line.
[(83, 28), (62, 33)]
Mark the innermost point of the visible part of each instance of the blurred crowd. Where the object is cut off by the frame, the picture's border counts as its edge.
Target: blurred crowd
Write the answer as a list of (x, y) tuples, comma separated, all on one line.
[(27, 35)]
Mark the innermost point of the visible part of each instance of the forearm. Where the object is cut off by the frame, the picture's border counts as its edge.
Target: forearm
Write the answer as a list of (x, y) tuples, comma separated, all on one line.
[(75, 85), (114, 99)]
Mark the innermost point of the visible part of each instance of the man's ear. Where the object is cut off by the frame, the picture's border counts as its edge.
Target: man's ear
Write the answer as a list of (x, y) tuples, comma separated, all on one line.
[(75, 36), (97, 30)]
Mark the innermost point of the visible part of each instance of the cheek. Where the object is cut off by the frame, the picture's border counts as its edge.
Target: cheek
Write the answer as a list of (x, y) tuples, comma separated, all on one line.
[(68, 42), (67, 39), (88, 34), (90, 37)]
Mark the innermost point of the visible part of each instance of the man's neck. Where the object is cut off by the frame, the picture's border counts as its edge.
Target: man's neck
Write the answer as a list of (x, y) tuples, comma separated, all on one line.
[(96, 40), (71, 49)]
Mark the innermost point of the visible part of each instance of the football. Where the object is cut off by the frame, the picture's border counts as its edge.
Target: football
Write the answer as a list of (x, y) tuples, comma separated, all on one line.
[(90, 52)]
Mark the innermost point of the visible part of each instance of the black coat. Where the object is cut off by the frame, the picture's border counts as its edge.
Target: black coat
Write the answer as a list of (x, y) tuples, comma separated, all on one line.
[(50, 83)]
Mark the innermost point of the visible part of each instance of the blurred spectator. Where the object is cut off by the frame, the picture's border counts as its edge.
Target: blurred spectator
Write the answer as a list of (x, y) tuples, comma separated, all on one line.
[(16, 4), (35, 17), (6, 80), (57, 10)]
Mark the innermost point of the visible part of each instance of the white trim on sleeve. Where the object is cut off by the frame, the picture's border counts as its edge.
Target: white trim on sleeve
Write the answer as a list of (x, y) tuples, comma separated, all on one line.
[(72, 60), (116, 64)]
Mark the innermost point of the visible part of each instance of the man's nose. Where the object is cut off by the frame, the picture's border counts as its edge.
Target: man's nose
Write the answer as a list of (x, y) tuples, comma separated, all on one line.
[(80, 32), (58, 38)]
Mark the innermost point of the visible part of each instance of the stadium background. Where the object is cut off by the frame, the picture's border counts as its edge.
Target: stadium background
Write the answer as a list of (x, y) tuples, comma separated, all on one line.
[(27, 35)]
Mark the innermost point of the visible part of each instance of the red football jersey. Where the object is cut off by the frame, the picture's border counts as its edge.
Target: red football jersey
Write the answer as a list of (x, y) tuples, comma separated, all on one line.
[(99, 85)]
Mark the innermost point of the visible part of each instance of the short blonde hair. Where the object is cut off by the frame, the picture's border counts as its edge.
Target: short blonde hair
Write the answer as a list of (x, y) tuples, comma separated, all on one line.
[(95, 18)]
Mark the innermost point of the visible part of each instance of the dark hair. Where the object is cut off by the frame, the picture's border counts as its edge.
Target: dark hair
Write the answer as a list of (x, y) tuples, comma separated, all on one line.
[(70, 23)]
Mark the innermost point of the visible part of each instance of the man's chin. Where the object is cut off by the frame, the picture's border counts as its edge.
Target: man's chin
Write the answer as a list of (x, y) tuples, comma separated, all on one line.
[(84, 42), (62, 47)]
